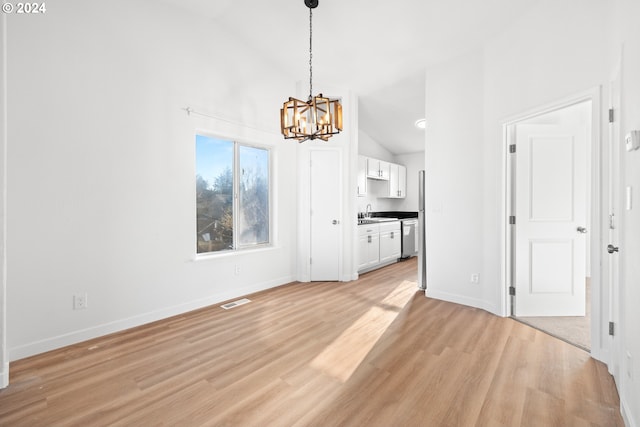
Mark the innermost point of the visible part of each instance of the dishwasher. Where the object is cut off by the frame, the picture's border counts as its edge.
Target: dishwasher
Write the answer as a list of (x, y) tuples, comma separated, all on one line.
[(409, 237)]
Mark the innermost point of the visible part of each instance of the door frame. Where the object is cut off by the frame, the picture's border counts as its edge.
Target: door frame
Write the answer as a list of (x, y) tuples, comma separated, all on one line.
[(599, 348), (4, 353), (612, 193)]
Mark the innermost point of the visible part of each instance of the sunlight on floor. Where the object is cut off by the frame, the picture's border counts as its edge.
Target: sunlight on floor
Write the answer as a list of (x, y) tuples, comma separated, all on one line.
[(343, 356)]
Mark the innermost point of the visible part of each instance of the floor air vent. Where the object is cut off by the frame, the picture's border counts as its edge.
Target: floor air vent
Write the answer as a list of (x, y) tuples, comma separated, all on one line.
[(232, 304)]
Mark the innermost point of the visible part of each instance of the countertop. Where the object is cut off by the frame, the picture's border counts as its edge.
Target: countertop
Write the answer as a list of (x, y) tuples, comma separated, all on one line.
[(395, 214), (386, 216)]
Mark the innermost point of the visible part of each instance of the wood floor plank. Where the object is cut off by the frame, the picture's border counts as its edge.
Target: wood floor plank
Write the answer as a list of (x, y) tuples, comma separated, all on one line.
[(372, 352)]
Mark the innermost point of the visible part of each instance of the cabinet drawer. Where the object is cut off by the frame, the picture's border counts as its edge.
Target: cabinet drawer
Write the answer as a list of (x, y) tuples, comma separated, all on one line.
[(389, 226), (365, 229)]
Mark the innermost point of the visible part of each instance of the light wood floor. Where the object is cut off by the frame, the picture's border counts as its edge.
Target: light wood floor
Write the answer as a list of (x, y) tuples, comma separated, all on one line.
[(369, 353)]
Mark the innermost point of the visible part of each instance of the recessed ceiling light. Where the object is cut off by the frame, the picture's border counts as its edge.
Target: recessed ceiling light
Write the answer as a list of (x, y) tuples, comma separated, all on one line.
[(421, 123)]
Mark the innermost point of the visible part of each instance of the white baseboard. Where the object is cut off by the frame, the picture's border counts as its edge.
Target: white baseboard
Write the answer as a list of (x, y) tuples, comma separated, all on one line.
[(4, 375), (464, 300), (627, 415), (75, 337), (349, 278)]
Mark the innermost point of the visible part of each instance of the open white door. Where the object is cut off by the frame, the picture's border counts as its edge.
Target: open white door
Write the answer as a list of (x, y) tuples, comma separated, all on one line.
[(551, 220), (326, 209)]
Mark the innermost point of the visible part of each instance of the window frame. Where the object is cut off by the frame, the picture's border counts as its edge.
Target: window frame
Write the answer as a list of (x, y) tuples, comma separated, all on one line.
[(236, 178)]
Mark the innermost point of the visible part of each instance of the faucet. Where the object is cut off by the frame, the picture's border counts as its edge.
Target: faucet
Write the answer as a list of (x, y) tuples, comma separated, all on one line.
[(368, 211)]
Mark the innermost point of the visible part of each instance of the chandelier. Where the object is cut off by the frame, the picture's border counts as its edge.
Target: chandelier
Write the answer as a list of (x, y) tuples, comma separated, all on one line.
[(319, 117)]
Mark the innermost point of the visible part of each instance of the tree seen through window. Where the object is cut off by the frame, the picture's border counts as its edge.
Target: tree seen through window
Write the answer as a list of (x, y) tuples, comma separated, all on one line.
[(221, 224)]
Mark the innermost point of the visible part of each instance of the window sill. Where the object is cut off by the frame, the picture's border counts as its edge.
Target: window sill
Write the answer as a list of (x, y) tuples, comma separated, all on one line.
[(231, 253)]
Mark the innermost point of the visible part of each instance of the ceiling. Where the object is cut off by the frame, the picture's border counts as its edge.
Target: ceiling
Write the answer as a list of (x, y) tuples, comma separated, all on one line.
[(377, 49)]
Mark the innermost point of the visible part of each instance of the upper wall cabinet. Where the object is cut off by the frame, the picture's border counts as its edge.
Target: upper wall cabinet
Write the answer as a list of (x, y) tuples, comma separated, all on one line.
[(397, 181), (362, 176), (395, 175), (377, 169)]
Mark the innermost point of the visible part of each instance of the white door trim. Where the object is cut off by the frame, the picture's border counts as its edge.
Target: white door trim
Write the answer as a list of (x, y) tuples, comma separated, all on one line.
[(612, 176), (599, 349), (4, 354)]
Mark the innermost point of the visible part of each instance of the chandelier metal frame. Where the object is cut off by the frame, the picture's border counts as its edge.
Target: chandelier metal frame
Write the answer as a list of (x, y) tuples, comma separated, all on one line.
[(319, 117)]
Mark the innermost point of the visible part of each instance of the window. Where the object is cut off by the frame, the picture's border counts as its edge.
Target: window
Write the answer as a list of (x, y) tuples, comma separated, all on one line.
[(232, 195)]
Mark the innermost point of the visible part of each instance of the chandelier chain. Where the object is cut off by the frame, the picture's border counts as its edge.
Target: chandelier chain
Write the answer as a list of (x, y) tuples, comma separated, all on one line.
[(310, 53)]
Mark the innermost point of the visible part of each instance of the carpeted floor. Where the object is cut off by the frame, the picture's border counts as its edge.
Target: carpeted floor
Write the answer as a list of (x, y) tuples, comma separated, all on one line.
[(574, 330)]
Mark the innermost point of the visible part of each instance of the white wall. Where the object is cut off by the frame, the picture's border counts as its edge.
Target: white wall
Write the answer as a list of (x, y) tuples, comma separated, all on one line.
[(101, 167), (532, 65), (629, 37), (455, 187), (467, 100), (558, 50), (367, 146)]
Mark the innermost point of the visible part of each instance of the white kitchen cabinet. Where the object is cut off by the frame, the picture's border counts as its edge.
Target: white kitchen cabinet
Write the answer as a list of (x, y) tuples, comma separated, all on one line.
[(378, 245), (377, 169), (397, 181), (390, 242), (362, 176), (368, 246), (402, 181)]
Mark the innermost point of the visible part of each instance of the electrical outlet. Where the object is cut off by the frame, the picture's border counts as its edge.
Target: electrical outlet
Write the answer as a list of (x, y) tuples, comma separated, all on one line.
[(475, 278), (237, 269), (80, 301)]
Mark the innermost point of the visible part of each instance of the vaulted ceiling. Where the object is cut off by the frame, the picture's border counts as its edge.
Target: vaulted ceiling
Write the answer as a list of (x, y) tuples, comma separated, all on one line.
[(377, 49)]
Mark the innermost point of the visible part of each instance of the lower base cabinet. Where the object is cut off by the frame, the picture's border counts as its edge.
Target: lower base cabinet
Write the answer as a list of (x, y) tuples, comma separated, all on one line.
[(378, 245), (368, 246), (390, 242)]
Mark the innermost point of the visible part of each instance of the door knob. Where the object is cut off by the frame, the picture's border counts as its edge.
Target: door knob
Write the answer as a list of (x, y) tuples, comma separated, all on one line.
[(611, 249), (581, 230)]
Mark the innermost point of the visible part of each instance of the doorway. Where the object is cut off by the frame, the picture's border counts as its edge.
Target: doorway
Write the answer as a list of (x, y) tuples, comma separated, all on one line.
[(549, 209)]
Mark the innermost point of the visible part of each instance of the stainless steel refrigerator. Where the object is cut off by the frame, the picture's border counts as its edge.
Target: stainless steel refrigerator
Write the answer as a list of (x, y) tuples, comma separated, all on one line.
[(422, 259)]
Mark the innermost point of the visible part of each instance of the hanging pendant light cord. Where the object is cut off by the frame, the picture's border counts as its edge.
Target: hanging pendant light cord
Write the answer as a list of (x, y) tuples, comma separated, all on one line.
[(310, 53)]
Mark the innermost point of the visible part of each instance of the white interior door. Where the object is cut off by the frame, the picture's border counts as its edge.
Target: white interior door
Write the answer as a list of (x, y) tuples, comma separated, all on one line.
[(551, 220), (326, 208)]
